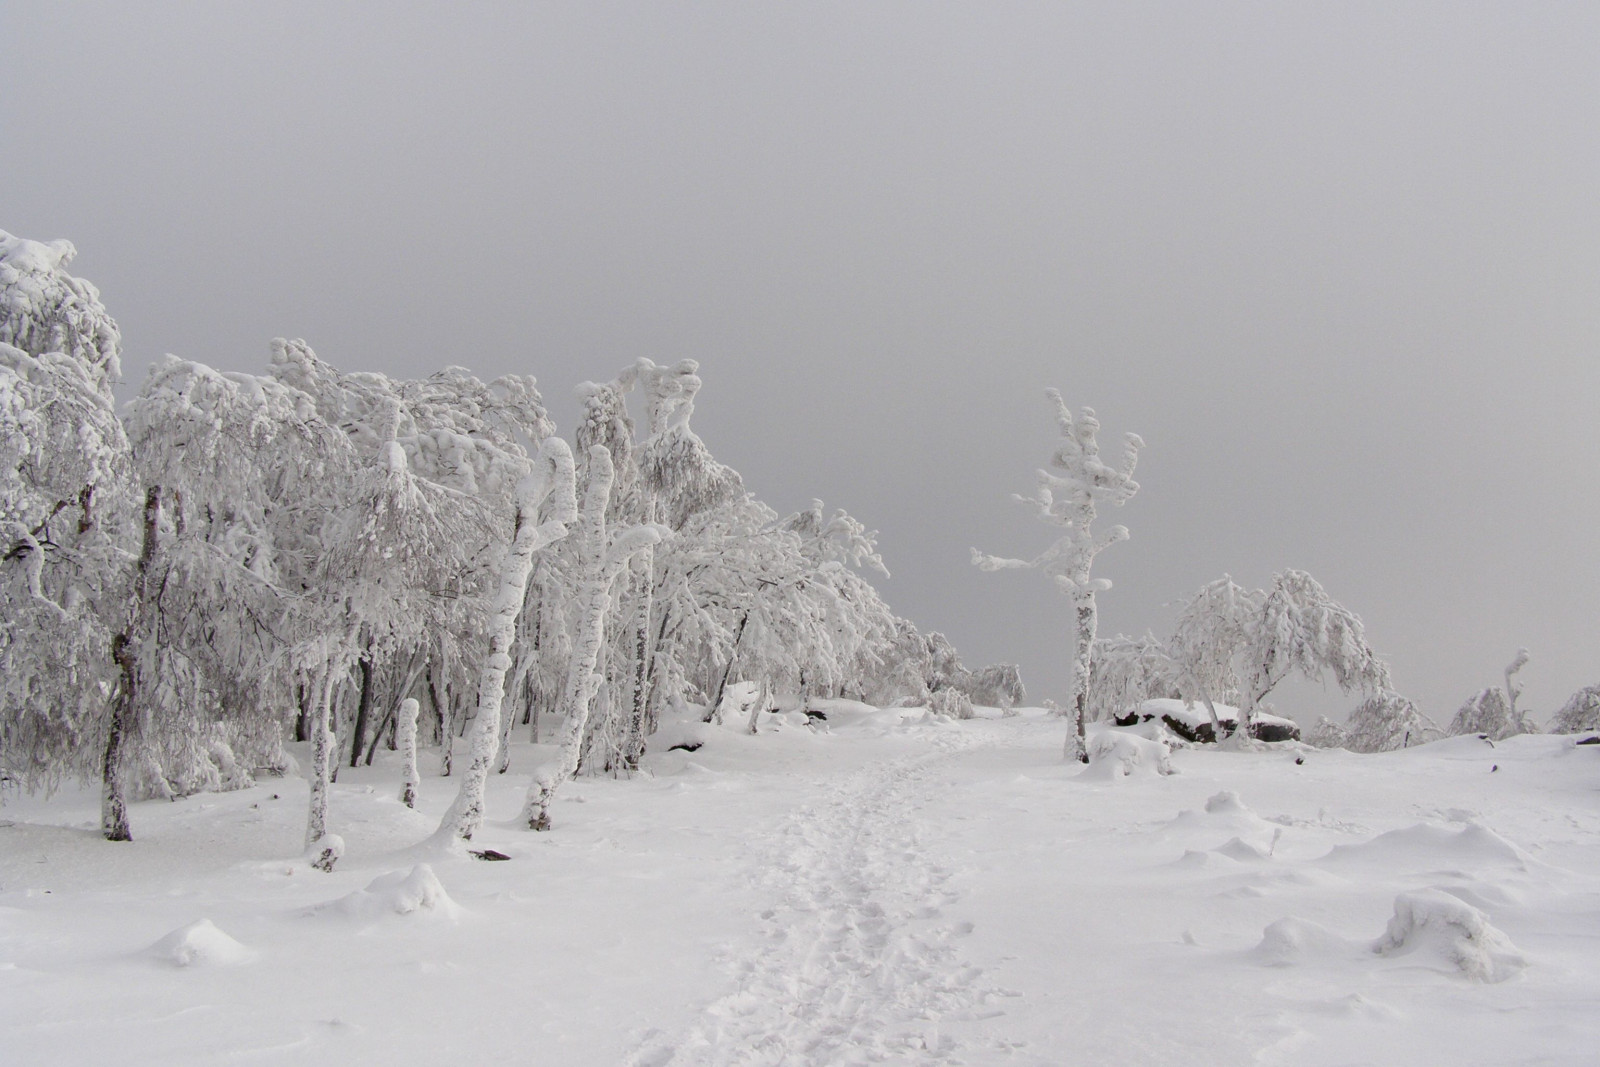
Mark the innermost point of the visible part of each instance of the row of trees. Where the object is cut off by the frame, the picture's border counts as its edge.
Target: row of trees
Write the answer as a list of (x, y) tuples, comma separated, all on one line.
[(342, 557), (1229, 644), (1232, 645)]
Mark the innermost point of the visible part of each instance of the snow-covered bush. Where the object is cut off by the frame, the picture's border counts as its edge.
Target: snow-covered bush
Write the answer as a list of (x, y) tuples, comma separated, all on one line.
[(951, 703), (1580, 712), (1493, 712), (1383, 722), (998, 685)]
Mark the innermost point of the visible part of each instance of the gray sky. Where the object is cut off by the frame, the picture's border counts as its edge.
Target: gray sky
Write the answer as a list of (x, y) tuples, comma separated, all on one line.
[(1338, 264)]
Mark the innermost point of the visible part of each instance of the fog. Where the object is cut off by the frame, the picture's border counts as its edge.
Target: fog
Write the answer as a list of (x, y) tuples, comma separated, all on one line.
[(1337, 264)]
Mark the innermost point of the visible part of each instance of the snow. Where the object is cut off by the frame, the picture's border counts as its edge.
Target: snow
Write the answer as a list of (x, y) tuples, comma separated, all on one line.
[(1458, 935), (895, 888), (200, 944)]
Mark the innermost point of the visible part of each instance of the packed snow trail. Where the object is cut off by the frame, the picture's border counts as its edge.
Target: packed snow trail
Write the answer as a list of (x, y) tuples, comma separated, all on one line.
[(854, 964)]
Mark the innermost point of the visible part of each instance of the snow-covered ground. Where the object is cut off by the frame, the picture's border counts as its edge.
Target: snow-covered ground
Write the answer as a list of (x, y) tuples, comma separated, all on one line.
[(896, 889)]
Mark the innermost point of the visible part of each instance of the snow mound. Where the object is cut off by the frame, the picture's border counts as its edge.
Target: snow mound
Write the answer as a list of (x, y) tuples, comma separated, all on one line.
[(1239, 849), (200, 944), (325, 851), (1291, 941), (1435, 925), (689, 734), (1114, 754), (1427, 847), (415, 893), (1224, 813), (1226, 802)]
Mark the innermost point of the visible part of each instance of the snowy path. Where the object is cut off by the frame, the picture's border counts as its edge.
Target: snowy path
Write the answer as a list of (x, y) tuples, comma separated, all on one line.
[(856, 962), (869, 894)]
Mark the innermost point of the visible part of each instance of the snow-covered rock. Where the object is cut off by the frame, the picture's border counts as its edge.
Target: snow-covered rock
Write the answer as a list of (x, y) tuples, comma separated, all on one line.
[(1192, 722)]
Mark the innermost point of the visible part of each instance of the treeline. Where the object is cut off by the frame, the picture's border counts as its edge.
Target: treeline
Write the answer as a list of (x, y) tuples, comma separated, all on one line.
[(237, 559)]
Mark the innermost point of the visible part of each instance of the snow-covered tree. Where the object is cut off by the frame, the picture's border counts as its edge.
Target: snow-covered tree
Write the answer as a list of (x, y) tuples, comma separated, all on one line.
[(998, 685), (65, 505), (401, 552), (1383, 722), (1492, 711), (1126, 672), (67, 508), (1070, 499), (1210, 637), (549, 486), (1301, 629), (1580, 712), (445, 455), (234, 467), (605, 553), (48, 310)]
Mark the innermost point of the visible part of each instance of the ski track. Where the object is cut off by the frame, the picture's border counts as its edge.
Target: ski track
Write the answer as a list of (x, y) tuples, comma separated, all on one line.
[(855, 964)]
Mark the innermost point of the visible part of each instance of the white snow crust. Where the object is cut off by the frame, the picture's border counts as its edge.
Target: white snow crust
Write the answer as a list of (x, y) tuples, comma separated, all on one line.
[(897, 888)]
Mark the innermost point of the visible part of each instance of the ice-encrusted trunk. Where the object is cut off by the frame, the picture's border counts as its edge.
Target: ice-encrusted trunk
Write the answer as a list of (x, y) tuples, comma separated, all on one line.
[(552, 479), (1077, 747), (406, 738), (125, 649), (640, 580), (443, 707), (322, 746), (603, 558), (757, 706)]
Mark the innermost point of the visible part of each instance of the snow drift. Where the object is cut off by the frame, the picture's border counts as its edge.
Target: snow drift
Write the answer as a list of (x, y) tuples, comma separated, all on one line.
[(417, 893), (200, 944)]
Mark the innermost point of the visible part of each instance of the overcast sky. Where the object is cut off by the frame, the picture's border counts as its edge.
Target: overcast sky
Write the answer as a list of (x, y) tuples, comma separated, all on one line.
[(1339, 264)]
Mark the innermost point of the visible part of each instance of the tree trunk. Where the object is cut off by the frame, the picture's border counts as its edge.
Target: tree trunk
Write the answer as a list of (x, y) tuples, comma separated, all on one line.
[(113, 788), (466, 812), (758, 707), (582, 683), (658, 652), (125, 651), (603, 562), (1077, 747), (358, 734), (406, 733), (322, 742), (447, 730), (1211, 709), (714, 712), (413, 675), (639, 698)]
